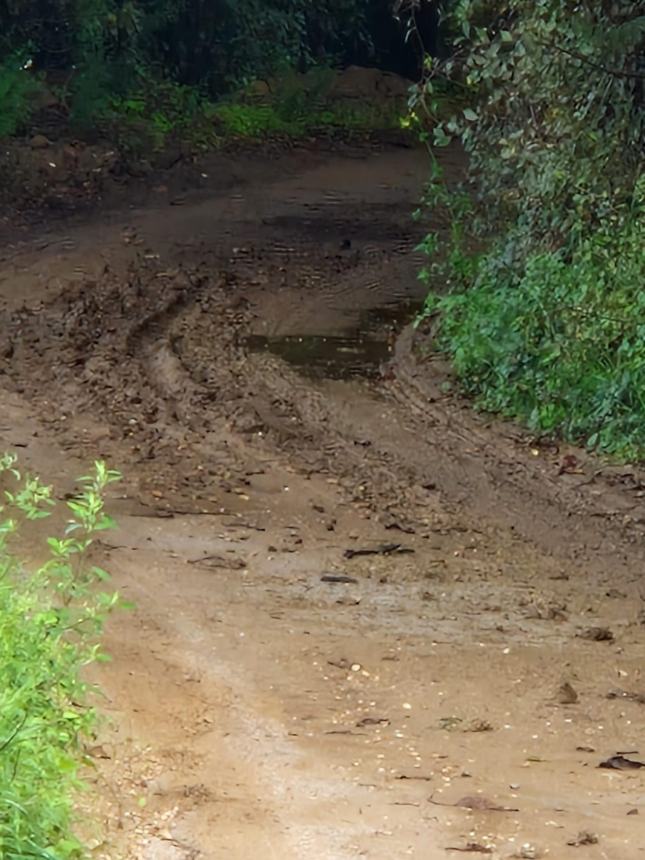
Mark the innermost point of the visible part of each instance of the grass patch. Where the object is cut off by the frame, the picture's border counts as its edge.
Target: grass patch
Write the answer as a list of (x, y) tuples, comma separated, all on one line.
[(295, 106), (256, 122)]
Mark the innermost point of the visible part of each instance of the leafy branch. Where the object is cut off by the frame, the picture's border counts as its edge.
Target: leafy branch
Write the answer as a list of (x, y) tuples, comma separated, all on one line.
[(576, 55), (50, 622)]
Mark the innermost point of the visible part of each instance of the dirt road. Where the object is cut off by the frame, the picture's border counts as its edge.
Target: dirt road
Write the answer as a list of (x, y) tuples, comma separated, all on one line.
[(369, 623)]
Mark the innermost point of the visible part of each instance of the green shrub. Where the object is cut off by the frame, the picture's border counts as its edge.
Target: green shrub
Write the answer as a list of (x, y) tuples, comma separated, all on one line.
[(298, 105), (564, 347), (546, 322), (143, 115), (17, 90), (157, 110), (297, 96), (90, 94), (50, 619)]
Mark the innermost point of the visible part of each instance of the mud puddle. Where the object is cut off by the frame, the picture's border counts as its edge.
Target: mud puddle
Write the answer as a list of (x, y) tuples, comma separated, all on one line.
[(285, 686), (361, 352), (326, 356)]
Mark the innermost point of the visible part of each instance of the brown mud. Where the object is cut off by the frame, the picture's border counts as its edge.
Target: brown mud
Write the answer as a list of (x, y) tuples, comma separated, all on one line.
[(363, 611)]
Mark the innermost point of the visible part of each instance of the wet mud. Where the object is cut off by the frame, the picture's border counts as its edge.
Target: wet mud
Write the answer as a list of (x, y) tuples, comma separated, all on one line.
[(363, 611)]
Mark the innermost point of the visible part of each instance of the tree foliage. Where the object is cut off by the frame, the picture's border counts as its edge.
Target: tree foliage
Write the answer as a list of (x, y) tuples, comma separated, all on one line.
[(211, 43), (109, 54), (547, 323)]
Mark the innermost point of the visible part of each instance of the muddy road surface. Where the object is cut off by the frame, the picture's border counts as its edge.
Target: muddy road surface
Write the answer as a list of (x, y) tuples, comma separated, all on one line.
[(368, 623)]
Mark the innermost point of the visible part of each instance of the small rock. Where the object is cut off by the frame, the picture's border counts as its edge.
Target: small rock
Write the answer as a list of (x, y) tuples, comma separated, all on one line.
[(529, 852), (567, 695), (584, 838), (547, 612), (478, 725), (341, 578), (620, 762), (597, 634), (638, 697), (39, 141)]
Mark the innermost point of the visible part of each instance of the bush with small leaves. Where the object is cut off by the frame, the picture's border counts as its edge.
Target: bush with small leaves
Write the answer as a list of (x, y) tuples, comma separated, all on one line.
[(50, 623)]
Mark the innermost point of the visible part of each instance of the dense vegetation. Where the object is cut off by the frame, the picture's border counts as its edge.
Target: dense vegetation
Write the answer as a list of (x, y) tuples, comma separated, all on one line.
[(50, 619), (118, 65), (545, 320)]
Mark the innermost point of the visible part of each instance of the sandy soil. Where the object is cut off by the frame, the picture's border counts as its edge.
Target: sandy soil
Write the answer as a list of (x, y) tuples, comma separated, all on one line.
[(482, 652)]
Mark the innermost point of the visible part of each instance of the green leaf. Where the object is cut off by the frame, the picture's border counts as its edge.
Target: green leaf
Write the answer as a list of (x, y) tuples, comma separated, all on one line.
[(440, 137)]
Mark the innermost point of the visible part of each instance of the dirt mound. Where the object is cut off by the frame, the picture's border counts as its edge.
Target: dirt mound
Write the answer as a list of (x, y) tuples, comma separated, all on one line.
[(370, 85)]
